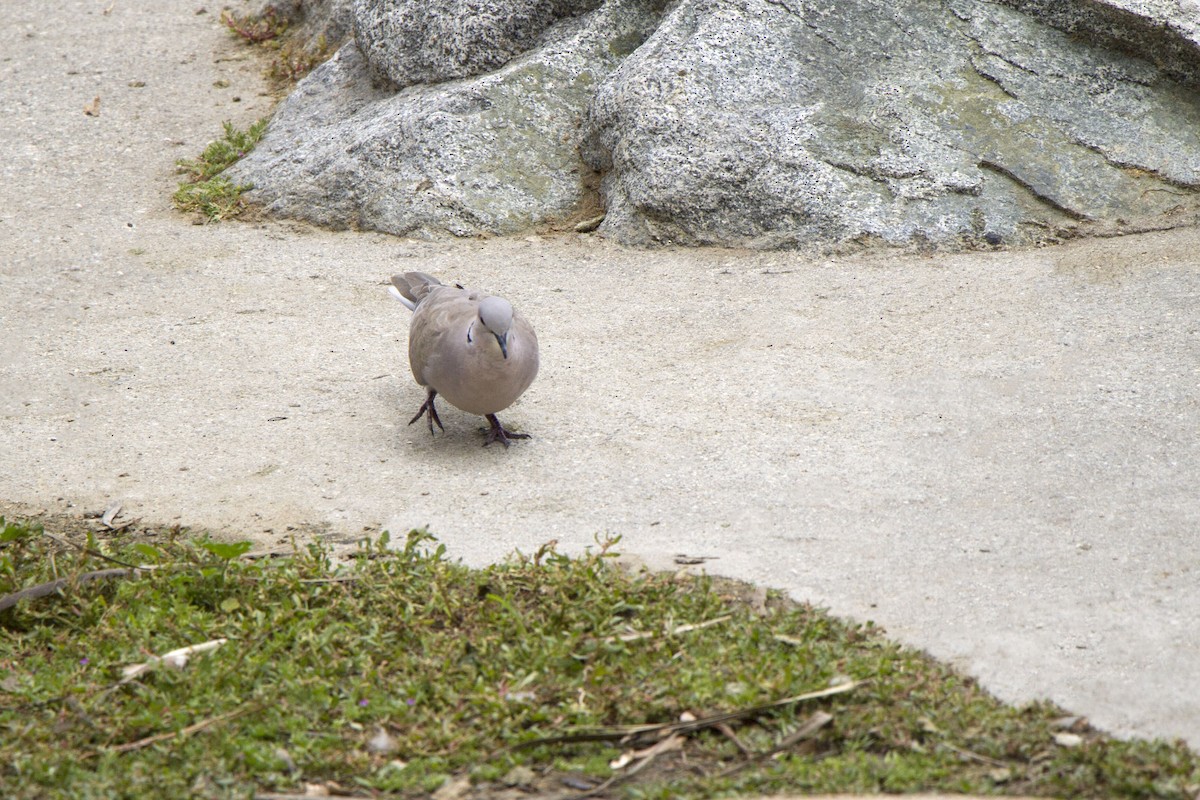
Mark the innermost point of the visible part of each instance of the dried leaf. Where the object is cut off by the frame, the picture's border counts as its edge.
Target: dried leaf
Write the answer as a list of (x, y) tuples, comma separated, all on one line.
[(1000, 775), (621, 760), (684, 560), (589, 225), (109, 518), (106, 519)]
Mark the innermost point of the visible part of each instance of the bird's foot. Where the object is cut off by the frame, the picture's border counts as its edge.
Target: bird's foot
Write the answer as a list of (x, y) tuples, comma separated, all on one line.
[(430, 410), (497, 433)]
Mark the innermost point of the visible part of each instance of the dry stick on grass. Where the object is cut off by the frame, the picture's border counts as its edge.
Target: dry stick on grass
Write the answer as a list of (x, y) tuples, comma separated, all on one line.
[(176, 659), (336, 579), (634, 636), (44, 589), (655, 731), (724, 729), (672, 742), (130, 571), (189, 730), (806, 731), (89, 551), (52, 587)]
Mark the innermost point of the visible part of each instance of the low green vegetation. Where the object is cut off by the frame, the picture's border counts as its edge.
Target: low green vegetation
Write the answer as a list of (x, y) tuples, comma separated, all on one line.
[(204, 189), (290, 58), (391, 671)]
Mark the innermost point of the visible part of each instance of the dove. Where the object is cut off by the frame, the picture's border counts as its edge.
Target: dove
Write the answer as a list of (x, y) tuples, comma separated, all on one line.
[(471, 348)]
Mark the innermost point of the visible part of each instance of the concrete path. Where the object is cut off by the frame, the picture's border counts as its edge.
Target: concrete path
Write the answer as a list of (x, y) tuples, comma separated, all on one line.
[(995, 456)]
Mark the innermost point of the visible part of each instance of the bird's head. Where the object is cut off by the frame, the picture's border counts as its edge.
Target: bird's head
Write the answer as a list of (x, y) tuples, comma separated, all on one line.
[(496, 314)]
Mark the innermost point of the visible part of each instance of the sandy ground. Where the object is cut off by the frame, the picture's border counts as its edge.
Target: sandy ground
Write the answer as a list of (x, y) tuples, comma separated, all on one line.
[(994, 456)]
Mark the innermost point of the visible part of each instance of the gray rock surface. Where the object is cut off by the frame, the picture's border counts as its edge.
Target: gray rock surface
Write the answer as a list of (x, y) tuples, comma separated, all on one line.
[(427, 41), (947, 122), (496, 153), (1166, 32), (761, 123)]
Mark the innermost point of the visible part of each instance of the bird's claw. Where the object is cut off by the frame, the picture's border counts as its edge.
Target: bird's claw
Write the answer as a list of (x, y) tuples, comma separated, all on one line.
[(497, 433), (430, 410)]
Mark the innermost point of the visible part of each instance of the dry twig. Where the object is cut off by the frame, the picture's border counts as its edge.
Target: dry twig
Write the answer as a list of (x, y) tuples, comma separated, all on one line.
[(806, 731), (190, 729), (52, 587), (643, 758), (177, 658), (634, 636), (655, 731), (89, 551)]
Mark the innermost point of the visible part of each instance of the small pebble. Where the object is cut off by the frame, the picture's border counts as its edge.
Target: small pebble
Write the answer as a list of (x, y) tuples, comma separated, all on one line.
[(1068, 739)]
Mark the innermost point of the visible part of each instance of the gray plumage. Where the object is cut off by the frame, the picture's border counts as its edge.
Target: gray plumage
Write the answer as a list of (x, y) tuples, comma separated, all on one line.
[(471, 348)]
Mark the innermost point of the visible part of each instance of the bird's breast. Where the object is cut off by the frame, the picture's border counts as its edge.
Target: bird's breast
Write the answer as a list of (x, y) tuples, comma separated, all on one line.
[(478, 379)]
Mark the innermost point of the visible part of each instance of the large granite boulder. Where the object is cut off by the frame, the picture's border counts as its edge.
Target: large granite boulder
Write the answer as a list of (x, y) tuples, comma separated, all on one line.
[(493, 153), (760, 123), (961, 122)]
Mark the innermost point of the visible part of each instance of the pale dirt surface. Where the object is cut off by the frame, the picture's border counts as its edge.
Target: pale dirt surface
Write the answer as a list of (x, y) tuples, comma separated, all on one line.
[(995, 456)]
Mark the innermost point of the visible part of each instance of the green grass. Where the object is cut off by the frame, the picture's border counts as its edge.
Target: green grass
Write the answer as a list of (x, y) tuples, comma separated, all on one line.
[(204, 189), (458, 667)]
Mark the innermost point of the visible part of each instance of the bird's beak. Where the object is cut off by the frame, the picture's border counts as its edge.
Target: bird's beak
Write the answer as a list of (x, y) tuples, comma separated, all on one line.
[(503, 341)]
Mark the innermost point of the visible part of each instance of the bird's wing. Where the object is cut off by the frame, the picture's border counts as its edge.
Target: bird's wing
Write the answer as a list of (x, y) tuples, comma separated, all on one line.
[(523, 353), (437, 336)]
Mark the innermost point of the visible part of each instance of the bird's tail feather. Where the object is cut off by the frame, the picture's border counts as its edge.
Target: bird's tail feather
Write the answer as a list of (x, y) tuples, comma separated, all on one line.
[(411, 287), (394, 292)]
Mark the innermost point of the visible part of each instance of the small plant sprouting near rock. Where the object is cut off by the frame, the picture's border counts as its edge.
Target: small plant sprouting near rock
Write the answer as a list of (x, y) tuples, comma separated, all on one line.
[(255, 28), (205, 189), (223, 152), (293, 58)]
